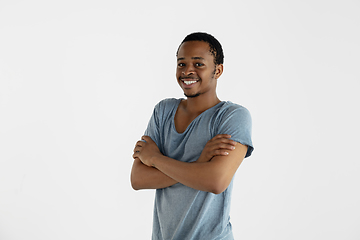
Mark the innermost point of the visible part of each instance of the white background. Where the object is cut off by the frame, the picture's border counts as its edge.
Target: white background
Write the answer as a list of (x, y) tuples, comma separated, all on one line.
[(79, 80)]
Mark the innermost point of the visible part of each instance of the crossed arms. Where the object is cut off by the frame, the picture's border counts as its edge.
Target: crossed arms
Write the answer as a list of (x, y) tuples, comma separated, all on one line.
[(212, 172)]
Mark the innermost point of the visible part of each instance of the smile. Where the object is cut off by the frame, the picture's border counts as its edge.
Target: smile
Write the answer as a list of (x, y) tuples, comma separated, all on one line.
[(189, 82)]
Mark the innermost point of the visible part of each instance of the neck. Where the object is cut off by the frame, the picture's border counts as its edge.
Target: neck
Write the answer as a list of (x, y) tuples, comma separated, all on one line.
[(201, 103)]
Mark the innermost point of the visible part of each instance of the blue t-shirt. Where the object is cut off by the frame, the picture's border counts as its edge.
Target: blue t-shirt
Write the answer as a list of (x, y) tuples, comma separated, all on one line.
[(181, 212)]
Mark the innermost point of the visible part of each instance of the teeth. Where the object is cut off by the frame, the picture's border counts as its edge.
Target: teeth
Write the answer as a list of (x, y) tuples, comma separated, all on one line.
[(189, 82)]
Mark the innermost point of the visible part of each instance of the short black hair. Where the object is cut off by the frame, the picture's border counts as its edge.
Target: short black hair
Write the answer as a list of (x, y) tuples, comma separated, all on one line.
[(215, 46)]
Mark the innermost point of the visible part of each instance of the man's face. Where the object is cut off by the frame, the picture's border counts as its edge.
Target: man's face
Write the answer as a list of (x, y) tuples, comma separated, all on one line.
[(196, 68)]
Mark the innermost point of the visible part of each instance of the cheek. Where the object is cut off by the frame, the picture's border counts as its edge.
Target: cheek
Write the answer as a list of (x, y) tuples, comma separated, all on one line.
[(178, 73)]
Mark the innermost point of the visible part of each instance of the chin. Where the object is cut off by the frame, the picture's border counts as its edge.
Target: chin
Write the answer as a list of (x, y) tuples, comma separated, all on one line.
[(192, 95)]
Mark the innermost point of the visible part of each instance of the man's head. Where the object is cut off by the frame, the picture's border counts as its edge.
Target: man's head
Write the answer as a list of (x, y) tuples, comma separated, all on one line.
[(199, 64), (215, 46)]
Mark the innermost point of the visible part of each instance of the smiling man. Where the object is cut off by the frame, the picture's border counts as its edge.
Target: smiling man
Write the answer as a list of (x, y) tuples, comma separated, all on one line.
[(192, 148)]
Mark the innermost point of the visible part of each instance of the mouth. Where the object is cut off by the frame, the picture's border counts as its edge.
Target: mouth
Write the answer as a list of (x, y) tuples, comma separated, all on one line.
[(188, 82)]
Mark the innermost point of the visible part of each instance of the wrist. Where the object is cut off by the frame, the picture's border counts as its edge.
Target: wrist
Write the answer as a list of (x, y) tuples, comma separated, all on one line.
[(154, 160), (203, 159)]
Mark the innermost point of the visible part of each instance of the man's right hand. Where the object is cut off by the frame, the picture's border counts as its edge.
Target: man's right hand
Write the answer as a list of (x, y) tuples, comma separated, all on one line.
[(220, 145)]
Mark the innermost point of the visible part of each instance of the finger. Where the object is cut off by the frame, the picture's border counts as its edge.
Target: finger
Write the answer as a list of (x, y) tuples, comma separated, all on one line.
[(220, 152), (135, 155), (224, 146), (221, 136), (137, 149), (224, 140), (140, 143), (146, 138)]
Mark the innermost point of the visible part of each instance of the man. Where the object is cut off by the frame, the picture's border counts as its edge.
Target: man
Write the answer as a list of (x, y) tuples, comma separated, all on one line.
[(192, 148)]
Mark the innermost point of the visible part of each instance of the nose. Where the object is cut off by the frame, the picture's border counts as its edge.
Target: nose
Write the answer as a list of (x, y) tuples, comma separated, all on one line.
[(189, 69)]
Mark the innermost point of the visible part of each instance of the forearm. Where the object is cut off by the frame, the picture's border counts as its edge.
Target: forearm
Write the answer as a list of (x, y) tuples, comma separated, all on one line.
[(212, 172), (144, 177), (202, 176), (211, 176)]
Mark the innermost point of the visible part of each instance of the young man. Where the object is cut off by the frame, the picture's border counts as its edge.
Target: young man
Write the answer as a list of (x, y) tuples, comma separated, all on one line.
[(192, 148)]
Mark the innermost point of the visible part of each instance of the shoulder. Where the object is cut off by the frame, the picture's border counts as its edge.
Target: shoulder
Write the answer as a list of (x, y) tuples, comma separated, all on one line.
[(168, 102), (230, 109), (166, 106), (232, 117)]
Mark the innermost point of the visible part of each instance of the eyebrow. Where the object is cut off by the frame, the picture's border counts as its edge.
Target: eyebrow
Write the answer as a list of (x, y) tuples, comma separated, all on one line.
[(195, 58)]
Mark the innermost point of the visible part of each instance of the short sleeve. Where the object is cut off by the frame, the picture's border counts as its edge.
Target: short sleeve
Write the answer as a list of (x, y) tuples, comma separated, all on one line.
[(153, 126), (236, 121)]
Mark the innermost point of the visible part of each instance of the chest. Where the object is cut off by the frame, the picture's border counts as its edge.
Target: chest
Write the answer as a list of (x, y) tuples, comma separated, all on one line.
[(183, 120), (184, 138)]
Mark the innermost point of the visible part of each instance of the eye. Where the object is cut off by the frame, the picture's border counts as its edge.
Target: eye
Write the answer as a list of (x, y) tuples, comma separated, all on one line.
[(181, 64), (199, 64)]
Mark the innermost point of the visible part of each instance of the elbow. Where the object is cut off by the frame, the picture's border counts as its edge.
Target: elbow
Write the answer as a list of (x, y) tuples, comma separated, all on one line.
[(134, 183), (217, 190), (218, 187), (135, 187), (135, 177)]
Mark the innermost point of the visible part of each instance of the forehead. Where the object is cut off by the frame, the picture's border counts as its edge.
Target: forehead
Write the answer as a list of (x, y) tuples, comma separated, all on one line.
[(195, 49)]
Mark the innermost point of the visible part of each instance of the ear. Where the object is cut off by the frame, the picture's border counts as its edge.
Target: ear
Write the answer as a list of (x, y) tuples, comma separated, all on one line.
[(219, 70)]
